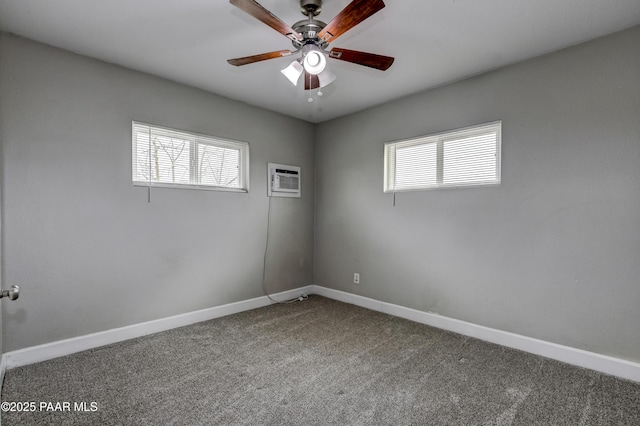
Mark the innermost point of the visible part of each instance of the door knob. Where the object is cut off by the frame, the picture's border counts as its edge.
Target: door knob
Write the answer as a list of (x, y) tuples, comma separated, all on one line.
[(13, 293)]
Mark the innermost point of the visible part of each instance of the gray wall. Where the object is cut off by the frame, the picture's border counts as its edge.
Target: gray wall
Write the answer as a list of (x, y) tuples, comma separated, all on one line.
[(552, 253), (1, 202), (88, 250)]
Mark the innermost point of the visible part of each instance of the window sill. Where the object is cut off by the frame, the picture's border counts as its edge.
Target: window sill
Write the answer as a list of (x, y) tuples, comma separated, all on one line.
[(183, 186)]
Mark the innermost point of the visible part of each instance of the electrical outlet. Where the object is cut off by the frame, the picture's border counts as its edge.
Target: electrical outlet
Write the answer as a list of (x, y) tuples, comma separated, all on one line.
[(356, 278)]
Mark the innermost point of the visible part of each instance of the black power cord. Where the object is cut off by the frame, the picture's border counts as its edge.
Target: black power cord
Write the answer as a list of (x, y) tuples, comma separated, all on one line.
[(264, 267)]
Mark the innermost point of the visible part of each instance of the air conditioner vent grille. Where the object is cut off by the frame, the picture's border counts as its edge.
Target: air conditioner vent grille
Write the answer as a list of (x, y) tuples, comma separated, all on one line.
[(287, 182)]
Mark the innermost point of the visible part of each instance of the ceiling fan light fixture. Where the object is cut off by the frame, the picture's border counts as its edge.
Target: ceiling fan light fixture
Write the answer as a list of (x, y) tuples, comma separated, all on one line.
[(293, 72), (314, 61), (325, 78)]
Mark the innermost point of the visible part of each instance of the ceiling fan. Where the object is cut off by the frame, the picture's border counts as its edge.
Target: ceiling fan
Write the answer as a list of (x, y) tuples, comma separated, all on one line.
[(312, 37)]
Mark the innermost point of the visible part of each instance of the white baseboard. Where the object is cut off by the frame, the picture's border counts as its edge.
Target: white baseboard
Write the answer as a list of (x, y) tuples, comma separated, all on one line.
[(64, 347), (606, 364)]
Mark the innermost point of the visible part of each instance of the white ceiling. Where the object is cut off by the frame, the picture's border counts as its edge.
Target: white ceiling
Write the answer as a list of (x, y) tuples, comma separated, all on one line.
[(434, 42)]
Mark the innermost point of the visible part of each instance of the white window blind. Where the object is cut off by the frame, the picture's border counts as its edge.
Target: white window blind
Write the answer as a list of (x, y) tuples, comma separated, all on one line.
[(173, 158), (462, 157)]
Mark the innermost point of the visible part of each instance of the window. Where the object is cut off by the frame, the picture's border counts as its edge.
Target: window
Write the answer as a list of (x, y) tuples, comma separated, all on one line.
[(172, 158), (463, 157)]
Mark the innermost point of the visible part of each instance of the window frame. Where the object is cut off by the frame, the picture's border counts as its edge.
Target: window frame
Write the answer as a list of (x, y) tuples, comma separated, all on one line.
[(439, 139), (194, 139)]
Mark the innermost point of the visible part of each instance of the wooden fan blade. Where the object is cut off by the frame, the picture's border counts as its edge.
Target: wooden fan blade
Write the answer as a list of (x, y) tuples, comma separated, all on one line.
[(372, 60), (257, 58), (355, 12), (254, 9), (311, 81)]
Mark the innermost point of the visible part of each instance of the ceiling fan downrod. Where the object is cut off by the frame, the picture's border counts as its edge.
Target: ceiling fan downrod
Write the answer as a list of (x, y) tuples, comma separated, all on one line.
[(309, 28), (311, 8)]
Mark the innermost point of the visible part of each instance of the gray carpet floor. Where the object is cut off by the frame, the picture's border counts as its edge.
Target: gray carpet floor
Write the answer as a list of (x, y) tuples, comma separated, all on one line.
[(312, 363)]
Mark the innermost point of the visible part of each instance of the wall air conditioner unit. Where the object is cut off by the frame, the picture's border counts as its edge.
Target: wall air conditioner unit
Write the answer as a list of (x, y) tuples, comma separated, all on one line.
[(283, 181)]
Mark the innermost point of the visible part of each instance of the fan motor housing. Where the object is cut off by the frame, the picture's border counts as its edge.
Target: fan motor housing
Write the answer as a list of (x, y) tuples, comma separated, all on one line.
[(309, 28)]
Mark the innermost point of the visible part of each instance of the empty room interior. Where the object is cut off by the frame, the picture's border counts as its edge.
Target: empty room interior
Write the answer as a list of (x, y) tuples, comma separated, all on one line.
[(414, 212)]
